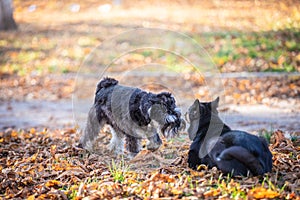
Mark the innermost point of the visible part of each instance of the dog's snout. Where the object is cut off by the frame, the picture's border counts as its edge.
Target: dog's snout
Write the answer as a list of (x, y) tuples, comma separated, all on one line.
[(171, 119), (177, 111)]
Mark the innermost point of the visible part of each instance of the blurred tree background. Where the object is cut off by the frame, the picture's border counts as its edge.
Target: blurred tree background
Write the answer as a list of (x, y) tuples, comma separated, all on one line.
[(40, 59), (243, 35), (7, 21)]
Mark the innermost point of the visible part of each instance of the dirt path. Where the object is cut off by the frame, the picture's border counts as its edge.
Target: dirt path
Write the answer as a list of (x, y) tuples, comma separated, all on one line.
[(48, 103), (59, 114), (41, 114)]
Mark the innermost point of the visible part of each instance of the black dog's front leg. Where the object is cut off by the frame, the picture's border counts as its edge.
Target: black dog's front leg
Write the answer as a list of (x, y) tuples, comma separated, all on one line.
[(193, 157)]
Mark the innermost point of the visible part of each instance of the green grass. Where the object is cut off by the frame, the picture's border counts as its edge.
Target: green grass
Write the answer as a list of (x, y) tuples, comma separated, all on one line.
[(276, 48), (118, 170), (267, 134), (267, 182), (43, 54), (229, 188)]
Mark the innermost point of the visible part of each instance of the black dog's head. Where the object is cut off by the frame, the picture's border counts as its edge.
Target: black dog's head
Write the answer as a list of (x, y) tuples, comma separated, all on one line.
[(165, 112), (200, 115)]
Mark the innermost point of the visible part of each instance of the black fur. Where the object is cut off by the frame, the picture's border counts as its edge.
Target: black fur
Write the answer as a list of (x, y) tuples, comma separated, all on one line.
[(105, 83), (134, 107), (140, 102), (130, 112), (232, 151)]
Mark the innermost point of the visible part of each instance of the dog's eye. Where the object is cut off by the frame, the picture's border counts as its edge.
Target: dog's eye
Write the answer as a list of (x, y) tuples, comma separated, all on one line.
[(193, 114)]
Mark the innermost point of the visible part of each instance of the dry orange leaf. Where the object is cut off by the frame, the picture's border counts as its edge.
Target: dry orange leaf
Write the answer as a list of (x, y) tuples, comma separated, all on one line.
[(53, 150), (53, 183), (33, 157), (57, 167), (197, 173), (260, 193), (14, 134), (236, 95), (26, 135), (281, 60), (298, 56), (177, 191), (293, 86), (31, 197), (212, 193), (41, 168), (32, 130), (93, 186), (200, 167)]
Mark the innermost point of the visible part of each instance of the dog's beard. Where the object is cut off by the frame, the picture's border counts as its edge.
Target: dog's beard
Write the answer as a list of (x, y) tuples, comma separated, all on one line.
[(169, 123), (170, 129), (172, 124)]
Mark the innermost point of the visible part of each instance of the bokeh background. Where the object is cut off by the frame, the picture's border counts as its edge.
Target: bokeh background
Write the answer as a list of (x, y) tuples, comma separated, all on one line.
[(253, 44)]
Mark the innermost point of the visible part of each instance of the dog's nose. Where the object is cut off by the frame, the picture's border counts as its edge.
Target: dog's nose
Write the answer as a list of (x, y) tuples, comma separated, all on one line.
[(177, 110), (171, 119)]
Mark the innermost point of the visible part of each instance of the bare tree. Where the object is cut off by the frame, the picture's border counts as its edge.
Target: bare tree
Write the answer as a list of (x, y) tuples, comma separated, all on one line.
[(7, 21)]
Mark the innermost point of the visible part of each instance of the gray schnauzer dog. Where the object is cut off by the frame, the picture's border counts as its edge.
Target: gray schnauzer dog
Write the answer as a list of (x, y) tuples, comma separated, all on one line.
[(133, 114)]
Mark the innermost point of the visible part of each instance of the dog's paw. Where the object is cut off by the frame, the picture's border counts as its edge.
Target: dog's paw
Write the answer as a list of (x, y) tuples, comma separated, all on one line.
[(116, 149), (89, 146), (79, 145), (153, 146), (154, 143)]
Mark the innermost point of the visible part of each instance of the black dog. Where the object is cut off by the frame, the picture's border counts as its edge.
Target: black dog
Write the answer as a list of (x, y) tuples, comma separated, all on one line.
[(215, 144), (131, 113)]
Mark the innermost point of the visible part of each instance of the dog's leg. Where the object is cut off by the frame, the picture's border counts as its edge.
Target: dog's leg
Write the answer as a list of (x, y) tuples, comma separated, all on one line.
[(132, 145), (116, 144), (154, 142), (91, 130)]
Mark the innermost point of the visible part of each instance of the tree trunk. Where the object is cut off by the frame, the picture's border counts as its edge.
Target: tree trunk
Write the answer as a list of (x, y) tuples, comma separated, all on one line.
[(7, 21)]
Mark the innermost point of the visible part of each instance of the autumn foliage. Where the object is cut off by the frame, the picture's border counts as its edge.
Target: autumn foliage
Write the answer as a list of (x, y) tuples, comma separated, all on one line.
[(47, 165)]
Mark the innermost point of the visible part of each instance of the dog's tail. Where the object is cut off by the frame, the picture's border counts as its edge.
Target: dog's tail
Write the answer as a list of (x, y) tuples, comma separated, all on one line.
[(105, 83), (91, 130)]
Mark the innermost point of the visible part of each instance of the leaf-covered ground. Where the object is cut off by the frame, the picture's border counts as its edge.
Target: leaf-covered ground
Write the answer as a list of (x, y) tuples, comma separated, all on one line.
[(47, 165)]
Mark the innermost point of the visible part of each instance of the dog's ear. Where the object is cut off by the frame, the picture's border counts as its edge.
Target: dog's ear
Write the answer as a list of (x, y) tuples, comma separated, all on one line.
[(154, 99), (165, 97), (194, 110), (215, 104), (194, 117)]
